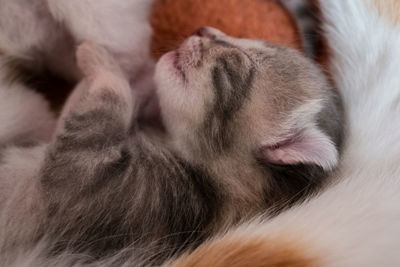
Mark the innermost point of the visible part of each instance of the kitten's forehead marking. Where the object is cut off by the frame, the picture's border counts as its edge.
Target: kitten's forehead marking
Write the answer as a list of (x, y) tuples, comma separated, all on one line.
[(232, 81)]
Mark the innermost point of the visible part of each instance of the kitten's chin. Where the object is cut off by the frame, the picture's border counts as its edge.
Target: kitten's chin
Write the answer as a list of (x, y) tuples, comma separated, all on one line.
[(168, 69)]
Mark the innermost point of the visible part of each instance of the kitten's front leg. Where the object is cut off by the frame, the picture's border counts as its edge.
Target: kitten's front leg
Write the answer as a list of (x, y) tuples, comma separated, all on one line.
[(88, 150), (107, 85), (100, 68)]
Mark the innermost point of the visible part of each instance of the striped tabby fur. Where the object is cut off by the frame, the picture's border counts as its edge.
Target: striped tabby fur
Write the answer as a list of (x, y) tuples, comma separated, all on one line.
[(304, 13)]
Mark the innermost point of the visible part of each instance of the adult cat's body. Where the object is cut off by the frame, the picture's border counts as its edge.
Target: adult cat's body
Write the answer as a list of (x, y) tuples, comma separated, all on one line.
[(356, 221)]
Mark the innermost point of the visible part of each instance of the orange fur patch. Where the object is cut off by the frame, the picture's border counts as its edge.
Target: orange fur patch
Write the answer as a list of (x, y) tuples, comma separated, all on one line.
[(247, 252), (174, 20), (389, 9)]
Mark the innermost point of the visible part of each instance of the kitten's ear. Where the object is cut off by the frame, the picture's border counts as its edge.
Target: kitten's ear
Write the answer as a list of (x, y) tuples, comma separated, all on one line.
[(310, 146)]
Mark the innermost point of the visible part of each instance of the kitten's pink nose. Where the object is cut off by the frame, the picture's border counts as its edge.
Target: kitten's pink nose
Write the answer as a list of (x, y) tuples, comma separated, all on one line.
[(204, 32)]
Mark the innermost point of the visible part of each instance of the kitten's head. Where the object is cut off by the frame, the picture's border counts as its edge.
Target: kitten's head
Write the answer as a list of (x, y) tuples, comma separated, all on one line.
[(219, 93)]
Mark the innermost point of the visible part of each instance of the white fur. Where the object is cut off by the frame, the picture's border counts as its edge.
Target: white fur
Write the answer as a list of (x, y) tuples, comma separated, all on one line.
[(45, 32), (25, 25), (355, 222), (120, 25), (25, 117), (29, 33), (24, 114)]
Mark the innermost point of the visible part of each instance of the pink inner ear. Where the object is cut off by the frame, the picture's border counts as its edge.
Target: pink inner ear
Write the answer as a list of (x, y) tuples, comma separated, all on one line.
[(309, 146)]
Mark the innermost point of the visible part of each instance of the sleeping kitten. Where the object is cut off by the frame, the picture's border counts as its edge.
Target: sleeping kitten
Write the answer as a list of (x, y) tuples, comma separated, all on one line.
[(355, 222), (256, 127)]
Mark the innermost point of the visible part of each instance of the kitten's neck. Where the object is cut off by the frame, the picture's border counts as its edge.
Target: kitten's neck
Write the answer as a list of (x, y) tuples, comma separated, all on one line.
[(242, 182)]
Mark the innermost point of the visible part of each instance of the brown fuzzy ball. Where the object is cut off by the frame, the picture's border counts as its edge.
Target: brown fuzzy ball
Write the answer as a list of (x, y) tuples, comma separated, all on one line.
[(174, 20)]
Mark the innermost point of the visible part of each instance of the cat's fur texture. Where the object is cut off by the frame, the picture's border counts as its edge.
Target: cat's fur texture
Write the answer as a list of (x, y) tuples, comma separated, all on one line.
[(307, 23), (40, 36), (43, 33), (356, 221), (251, 130)]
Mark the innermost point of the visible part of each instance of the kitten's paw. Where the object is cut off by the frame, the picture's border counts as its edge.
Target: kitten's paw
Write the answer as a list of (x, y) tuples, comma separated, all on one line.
[(93, 59)]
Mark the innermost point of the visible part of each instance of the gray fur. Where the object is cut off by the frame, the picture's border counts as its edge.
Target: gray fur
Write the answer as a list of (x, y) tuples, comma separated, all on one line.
[(306, 18)]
